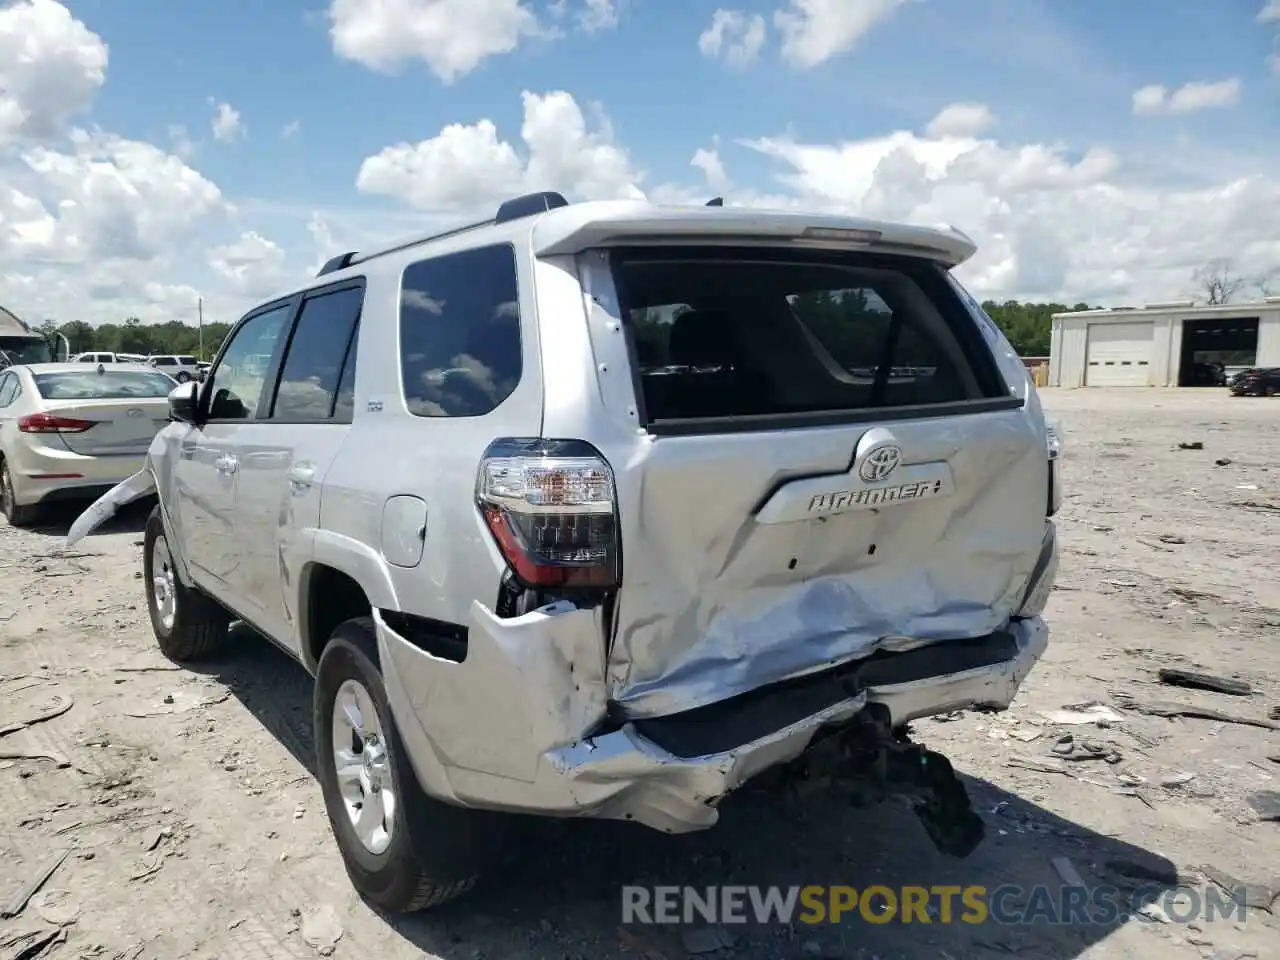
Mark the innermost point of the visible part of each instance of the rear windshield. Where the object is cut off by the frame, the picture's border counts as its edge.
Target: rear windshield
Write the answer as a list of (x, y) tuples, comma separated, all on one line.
[(109, 385), (736, 333)]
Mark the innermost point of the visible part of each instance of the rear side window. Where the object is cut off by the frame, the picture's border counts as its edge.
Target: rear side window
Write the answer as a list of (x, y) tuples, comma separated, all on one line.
[(114, 385), (460, 332), (734, 333), (8, 389), (312, 371)]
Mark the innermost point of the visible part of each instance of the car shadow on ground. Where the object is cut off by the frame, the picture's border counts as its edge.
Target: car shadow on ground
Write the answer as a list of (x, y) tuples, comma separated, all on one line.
[(57, 519), (562, 894)]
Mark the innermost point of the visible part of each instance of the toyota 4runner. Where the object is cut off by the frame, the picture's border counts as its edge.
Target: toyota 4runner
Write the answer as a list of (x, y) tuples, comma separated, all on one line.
[(601, 510)]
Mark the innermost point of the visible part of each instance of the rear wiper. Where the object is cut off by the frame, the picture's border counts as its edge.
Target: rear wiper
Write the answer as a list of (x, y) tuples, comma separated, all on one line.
[(885, 368)]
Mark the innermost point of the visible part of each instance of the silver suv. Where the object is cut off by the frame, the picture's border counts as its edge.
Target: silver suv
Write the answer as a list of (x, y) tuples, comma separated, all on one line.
[(601, 510)]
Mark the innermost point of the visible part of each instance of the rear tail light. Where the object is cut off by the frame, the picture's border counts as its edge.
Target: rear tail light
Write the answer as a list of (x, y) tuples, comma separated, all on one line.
[(551, 508), (49, 423)]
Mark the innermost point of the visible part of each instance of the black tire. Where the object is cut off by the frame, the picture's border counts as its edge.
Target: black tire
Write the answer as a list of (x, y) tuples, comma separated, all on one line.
[(199, 626), (18, 516), (436, 850), (182, 376)]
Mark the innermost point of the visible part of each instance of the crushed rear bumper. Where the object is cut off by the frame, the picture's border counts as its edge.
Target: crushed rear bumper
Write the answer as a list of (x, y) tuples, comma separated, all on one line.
[(669, 772)]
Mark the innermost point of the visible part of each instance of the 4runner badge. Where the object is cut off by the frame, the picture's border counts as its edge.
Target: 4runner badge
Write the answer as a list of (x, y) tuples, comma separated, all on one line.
[(879, 477)]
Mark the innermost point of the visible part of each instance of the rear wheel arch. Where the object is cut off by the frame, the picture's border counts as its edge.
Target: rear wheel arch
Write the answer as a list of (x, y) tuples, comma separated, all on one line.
[(329, 598)]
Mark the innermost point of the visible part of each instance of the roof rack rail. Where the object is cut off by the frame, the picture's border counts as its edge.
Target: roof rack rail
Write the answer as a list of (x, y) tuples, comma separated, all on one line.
[(715, 202), (334, 264), (416, 241), (528, 205)]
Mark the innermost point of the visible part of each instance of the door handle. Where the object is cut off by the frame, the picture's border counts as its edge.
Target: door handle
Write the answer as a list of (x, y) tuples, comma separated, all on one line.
[(301, 476), (226, 465)]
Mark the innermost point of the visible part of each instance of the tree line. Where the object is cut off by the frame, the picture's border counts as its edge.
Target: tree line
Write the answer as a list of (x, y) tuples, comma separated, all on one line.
[(134, 336), (1025, 324)]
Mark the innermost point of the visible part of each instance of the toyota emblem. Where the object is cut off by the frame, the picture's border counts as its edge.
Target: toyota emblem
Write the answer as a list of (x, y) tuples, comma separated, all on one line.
[(879, 463)]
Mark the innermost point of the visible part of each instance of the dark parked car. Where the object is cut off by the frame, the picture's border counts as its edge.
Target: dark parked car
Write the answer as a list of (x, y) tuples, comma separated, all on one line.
[(1258, 382)]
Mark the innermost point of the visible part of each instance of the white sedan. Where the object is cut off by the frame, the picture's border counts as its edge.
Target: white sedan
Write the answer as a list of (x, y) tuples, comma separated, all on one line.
[(70, 431)]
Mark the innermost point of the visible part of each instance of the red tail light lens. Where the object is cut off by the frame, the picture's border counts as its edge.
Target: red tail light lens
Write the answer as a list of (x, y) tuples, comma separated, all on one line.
[(49, 423), (551, 508)]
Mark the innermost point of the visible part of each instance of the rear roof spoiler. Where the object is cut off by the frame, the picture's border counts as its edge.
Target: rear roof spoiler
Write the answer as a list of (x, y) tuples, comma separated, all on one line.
[(582, 226)]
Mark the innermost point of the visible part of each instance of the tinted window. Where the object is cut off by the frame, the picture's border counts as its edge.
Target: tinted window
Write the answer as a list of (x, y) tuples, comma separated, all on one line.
[(235, 384), (115, 385), (187, 361), (8, 389), (724, 333), (165, 362), (313, 366), (460, 332)]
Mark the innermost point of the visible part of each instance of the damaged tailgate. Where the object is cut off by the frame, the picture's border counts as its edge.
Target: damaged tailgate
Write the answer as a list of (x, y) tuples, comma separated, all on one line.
[(834, 465)]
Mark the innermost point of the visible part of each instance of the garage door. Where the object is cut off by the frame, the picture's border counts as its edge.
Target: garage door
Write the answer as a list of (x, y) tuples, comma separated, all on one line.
[(1119, 354)]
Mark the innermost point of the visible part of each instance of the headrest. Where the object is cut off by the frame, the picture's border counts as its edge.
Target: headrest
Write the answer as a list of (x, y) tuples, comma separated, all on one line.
[(702, 338)]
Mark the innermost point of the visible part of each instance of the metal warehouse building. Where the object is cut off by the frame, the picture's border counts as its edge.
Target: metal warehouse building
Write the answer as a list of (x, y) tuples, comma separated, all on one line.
[(1168, 344)]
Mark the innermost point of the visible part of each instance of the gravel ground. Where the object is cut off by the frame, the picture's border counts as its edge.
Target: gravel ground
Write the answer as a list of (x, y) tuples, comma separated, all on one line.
[(194, 827)]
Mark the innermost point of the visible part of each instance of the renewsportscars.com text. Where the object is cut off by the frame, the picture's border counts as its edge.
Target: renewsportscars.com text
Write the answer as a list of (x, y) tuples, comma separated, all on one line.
[(944, 904)]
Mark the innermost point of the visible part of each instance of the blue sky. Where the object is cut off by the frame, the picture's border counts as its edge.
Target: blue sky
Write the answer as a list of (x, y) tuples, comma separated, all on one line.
[(1055, 132)]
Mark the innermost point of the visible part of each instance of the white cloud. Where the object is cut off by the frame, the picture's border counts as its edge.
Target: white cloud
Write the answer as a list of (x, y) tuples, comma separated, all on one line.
[(99, 227), (1049, 223), (961, 120), (92, 225), (1270, 14), (291, 129), (254, 265), (181, 141), (117, 198), (589, 16), (226, 124), (1156, 100), (468, 166), (735, 35), (712, 167), (452, 37), (322, 235), (814, 31), (51, 65), (1150, 99), (597, 15)]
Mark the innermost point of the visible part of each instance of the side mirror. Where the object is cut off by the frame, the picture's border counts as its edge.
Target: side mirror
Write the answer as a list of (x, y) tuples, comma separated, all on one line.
[(183, 402)]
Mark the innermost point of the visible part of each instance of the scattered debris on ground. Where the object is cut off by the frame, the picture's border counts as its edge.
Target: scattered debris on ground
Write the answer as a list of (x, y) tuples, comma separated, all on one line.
[(1177, 677), (173, 814), (38, 878)]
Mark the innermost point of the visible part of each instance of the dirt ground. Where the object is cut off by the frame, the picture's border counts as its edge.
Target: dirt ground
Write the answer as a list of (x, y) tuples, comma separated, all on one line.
[(194, 827)]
